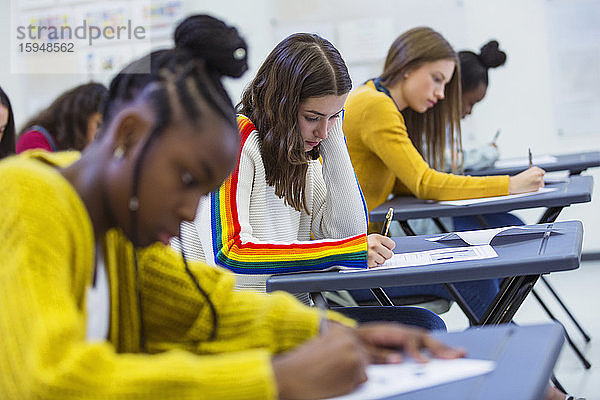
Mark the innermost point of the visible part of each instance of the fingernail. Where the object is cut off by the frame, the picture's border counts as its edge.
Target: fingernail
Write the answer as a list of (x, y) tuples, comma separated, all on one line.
[(394, 358)]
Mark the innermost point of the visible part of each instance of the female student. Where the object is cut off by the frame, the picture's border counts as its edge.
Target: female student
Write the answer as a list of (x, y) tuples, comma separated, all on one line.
[(474, 83), (282, 210), (89, 297), (396, 122), (7, 126), (280, 195), (69, 123)]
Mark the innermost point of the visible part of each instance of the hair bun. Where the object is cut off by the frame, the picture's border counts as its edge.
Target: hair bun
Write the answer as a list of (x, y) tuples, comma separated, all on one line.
[(219, 45), (491, 56)]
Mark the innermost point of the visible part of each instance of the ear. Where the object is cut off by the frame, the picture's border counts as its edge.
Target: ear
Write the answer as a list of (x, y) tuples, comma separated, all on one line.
[(132, 128)]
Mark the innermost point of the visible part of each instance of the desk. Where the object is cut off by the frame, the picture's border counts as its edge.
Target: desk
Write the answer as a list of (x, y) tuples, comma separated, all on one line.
[(524, 356), (574, 163), (578, 189), (517, 259)]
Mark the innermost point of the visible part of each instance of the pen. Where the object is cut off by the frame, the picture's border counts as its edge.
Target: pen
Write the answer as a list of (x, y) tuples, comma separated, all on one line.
[(387, 222), (530, 160), (496, 136)]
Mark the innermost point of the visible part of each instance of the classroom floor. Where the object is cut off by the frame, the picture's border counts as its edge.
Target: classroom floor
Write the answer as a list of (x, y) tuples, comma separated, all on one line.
[(580, 290)]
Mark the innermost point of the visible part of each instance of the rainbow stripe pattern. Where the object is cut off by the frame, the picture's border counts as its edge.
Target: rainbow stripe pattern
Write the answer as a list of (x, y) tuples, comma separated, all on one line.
[(268, 258)]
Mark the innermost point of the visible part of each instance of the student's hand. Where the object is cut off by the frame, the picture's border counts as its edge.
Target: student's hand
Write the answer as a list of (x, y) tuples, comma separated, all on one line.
[(330, 365), (527, 181), (379, 249), (385, 341)]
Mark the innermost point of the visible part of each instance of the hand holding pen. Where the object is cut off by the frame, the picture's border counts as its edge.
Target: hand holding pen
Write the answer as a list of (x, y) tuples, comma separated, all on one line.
[(379, 247)]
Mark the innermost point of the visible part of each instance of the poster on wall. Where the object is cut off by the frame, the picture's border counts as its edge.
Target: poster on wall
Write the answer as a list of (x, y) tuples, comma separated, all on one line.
[(574, 39)]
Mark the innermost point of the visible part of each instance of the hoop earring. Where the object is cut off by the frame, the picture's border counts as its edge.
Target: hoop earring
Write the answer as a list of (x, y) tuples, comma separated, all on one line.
[(119, 152), (133, 204)]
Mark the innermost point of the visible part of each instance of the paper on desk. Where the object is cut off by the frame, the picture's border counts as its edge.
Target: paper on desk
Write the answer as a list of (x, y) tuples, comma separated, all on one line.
[(524, 162), (485, 236), (495, 198), (437, 256), (391, 379)]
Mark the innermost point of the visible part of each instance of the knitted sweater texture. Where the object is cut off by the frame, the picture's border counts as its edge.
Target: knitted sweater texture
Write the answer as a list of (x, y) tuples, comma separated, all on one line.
[(47, 253)]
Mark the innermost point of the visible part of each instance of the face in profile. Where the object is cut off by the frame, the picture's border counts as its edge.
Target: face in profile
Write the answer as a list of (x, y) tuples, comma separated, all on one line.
[(316, 116), (3, 120), (472, 97), (93, 123), (182, 164), (424, 86)]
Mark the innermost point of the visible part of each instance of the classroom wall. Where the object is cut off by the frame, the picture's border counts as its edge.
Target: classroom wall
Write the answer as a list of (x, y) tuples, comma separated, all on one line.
[(521, 99)]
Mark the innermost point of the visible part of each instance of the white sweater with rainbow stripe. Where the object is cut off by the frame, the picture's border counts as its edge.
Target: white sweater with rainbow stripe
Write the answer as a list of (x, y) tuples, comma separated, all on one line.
[(249, 230)]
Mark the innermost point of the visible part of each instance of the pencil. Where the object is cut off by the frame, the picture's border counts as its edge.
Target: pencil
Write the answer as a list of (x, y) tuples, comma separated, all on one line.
[(387, 222), (530, 160), (496, 136)]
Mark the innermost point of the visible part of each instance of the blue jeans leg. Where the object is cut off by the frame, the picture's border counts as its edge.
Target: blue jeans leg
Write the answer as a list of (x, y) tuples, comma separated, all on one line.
[(415, 316)]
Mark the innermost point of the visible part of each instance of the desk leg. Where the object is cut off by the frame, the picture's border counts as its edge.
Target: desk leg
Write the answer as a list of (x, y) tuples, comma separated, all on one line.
[(319, 300), (509, 299), (462, 303), (578, 352), (406, 228), (440, 225), (381, 297), (550, 215)]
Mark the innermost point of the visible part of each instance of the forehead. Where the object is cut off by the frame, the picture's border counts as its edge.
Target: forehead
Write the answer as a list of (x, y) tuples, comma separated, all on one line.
[(476, 94), (445, 66), (326, 105)]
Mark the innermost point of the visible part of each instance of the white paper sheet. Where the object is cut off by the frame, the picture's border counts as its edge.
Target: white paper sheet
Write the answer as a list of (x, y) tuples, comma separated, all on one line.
[(524, 162), (495, 198), (437, 256), (391, 379), (485, 236)]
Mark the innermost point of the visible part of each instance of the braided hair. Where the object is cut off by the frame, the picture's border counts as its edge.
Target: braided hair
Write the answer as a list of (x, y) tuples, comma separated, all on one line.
[(474, 67), (181, 78)]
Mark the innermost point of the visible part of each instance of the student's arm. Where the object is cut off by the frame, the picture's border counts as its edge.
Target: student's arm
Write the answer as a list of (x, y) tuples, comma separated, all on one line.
[(384, 133), (235, 247), (47, 258), (177, 314), (338, 208)]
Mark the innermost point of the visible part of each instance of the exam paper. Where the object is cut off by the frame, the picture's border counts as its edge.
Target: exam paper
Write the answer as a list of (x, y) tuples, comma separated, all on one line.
[(392, 379), (437, 256), (485, 236), (495, 198), (524, 161)]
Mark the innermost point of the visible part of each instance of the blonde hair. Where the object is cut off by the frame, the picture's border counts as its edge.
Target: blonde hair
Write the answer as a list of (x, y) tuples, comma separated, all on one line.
[(430, 130)]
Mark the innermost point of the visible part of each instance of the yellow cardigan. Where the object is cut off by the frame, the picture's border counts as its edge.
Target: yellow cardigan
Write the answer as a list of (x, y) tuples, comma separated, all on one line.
[(382, 152), (47, 252)]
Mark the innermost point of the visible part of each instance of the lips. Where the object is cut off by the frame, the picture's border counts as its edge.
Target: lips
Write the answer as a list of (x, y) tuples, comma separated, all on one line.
[(431, 103), (311, 144), (165, 237)]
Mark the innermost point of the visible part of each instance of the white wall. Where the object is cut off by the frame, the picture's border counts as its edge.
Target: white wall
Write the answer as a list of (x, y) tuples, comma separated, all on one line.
[(520, 96)]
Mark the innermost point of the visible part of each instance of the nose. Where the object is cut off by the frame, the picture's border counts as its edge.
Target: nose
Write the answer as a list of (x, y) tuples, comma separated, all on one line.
[(188, 207), (439, 93), (321, 131)]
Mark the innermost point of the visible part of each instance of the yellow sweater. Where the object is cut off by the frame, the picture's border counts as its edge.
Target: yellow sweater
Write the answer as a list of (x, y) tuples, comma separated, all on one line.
[(47, 252), (382, 152)]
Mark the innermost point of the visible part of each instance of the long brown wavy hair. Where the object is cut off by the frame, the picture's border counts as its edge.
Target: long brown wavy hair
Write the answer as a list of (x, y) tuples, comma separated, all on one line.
[(300, 67), (430, 130)]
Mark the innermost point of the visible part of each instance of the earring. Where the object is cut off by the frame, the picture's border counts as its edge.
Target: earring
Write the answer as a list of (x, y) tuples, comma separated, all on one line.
[(119, 152), (133, 204)]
